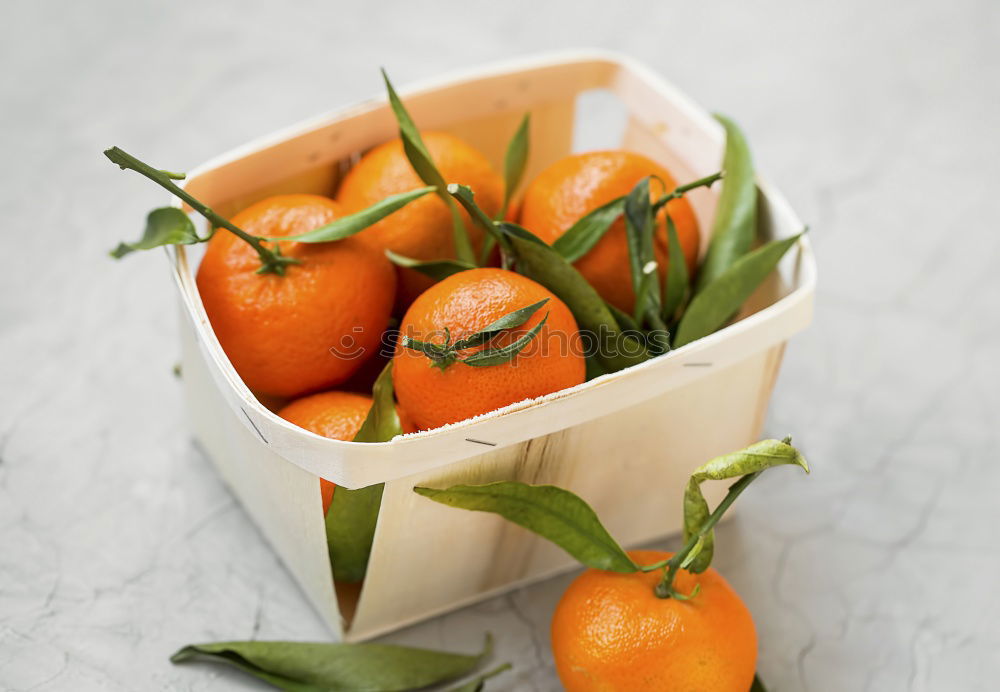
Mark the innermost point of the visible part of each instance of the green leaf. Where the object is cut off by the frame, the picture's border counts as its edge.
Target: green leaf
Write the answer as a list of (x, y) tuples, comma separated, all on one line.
[(721, 299), (353, 514), (758, 685), (309, 666), (382, 423), (467, 198), (164, 226), (489, 357), (583, 235), (639, 229), (514, 162), (676, 287), (624, 320), (537, 260), (736, 214), (553, 513), (416, 152), (359, 221), (753, 459), (436, 269), (478, 683), (682, 190), (508, 321)]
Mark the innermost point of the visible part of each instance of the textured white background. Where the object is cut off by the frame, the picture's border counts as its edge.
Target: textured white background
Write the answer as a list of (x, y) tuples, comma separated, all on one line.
[(118, 543)]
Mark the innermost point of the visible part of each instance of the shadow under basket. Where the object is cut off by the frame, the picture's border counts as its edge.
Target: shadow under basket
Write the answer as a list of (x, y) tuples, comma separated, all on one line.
[(625, 442)]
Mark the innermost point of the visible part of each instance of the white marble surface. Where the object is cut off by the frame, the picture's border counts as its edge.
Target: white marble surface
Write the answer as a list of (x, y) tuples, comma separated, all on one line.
[(118, 543)]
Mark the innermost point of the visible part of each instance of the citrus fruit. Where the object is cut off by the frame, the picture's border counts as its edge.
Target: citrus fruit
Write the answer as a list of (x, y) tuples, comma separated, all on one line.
[(463, 304), (578, 184), (423, 228), (311, 328), (611, 632), (337, 415)]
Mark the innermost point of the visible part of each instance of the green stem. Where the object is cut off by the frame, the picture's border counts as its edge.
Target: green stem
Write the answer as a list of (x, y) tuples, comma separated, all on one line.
[(271, 260), (681, 190), (466, 198), (665, 589)]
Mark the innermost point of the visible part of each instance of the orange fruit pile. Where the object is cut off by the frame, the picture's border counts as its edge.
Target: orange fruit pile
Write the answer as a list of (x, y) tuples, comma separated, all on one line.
[(318, 325), (611, 633)]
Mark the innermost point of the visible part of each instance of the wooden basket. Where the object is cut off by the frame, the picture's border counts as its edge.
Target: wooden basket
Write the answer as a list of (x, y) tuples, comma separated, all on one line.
[(625, 442)]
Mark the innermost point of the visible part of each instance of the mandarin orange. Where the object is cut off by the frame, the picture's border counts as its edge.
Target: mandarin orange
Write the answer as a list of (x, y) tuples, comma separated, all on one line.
[(578, 184), (463, 304), (610, 632), (337, 415), (311, 328), (423, 228)]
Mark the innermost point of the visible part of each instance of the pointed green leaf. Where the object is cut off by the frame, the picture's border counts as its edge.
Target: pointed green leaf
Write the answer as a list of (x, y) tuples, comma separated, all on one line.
[(753, 459), (721, 299), (436, 269), (514, 162), (639, 230), (420, 158), (736, 214), (164, 226), (353, 514), (624, 320), (508, 321), (553, 513), (758, 685), (314, 666), (382, 423), (358, 221), (583, 235), (676, 287), (537, 260), (500, 356)]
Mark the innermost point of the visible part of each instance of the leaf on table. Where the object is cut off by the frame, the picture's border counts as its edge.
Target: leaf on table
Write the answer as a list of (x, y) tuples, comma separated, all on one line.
[(757, 457), (353, 514), (552, 512), (736, 213), (164, 226), (722, 299), (358, 221), (313, 666), (478, 683)]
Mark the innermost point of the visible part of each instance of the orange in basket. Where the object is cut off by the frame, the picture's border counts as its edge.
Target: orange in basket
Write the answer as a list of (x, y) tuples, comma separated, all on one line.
[(337, 415), (611, 632), (311, 328), (580, 183), (465, 303), (422, 229)]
